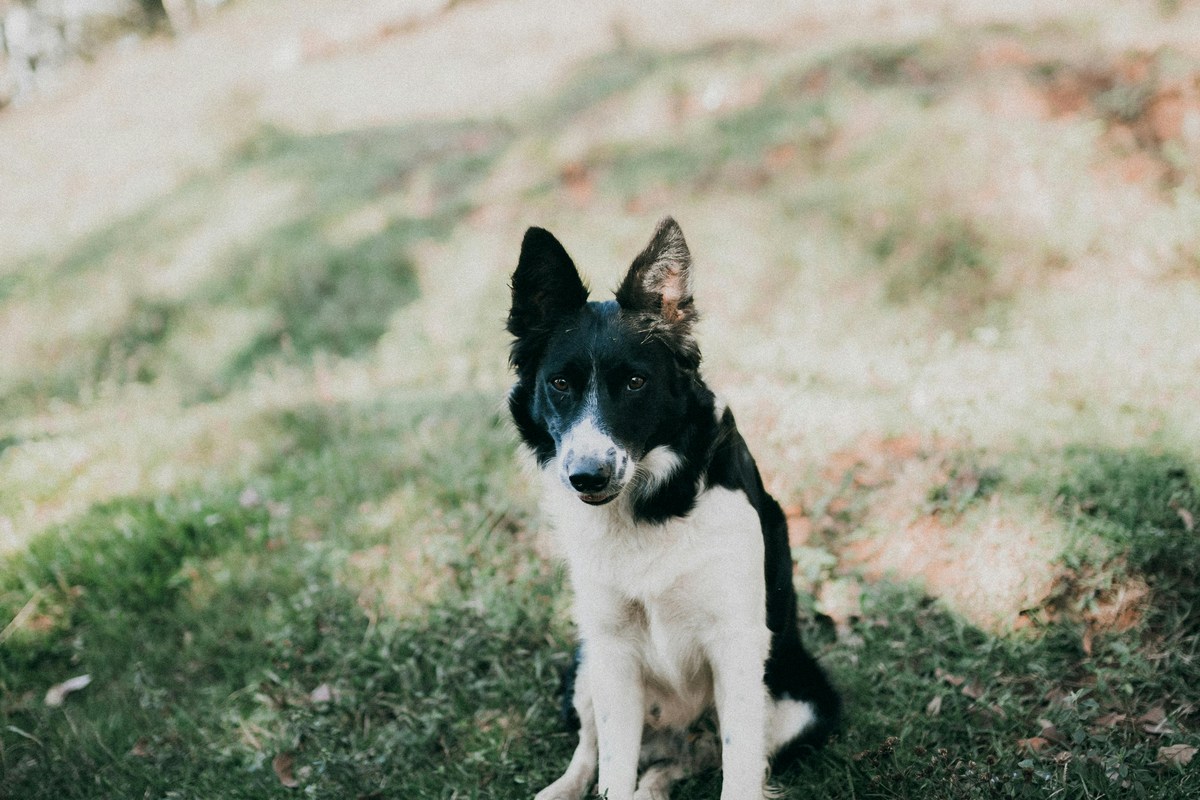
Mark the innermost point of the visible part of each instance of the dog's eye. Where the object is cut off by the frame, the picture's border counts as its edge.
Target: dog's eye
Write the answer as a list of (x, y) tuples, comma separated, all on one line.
[(560, 384), (635, 383)]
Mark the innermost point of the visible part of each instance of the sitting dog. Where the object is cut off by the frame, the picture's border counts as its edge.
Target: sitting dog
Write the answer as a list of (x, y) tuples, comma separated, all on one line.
[(678, 557)]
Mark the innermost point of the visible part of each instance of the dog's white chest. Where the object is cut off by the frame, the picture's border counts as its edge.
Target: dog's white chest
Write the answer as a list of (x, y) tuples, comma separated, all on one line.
[(670, 591), (718, 545)]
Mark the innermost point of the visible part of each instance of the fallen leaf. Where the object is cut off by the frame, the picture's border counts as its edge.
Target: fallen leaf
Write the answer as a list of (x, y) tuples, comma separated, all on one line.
[(282, 764), (1110, 720), (577, 179), (57, 694), (1176, 755), (1154, 716), (321, 694), (1034, 744), (1058, 697), (934, 707), (1118, 609), (140, 750), (1050, 731), (1154, 722), (953, 680), (973, 690), (780, 156), (1189, 522)]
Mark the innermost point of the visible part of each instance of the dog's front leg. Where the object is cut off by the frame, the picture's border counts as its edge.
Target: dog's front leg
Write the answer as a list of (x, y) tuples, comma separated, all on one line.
[(617, 699), (581, 772), (741, 697)]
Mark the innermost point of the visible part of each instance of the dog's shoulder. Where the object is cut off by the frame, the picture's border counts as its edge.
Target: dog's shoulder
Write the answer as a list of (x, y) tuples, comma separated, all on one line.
[(731, 465)]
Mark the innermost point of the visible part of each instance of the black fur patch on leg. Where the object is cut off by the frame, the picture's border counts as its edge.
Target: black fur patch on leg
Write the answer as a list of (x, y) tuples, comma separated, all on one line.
[(566, 711)]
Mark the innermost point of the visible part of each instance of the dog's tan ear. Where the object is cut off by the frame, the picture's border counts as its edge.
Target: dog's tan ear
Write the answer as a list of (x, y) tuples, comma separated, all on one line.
[(659, 282)]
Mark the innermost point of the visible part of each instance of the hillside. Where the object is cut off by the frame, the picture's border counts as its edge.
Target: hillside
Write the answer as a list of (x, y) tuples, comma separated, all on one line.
[(255, 476)]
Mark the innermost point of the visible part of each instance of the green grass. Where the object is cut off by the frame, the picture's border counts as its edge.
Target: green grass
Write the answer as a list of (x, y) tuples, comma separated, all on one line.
[(207, 625), (311, 290), (326, 571), (207, 620)]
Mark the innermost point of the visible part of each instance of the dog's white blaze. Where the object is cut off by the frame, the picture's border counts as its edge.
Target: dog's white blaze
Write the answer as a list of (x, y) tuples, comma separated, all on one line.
[(588, 439)]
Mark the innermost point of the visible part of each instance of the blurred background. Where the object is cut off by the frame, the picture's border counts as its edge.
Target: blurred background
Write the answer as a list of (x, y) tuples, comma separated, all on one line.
[(256, 480)]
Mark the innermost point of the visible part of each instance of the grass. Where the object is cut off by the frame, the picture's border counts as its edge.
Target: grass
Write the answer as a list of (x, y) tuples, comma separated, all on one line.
[(310, 280), (459, 697), (157, 615), (256, 480)]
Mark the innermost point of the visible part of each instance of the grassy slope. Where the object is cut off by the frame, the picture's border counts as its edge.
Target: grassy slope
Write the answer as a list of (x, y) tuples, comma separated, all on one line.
[(255, 479)]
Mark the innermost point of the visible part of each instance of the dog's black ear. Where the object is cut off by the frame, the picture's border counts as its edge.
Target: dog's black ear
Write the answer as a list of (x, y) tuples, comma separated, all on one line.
[(657, 290), (545, 286)]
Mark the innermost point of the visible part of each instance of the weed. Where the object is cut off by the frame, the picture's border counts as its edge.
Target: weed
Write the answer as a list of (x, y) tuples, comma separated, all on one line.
[(1146, 496), (965, 485), (910, 63), (129, 354), (947, 260), (325, 298), (1144, 506)]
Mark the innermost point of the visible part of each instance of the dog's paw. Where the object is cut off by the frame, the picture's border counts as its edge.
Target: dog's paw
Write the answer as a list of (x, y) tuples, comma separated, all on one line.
[(652, 793), (562, 789), (655, 783)]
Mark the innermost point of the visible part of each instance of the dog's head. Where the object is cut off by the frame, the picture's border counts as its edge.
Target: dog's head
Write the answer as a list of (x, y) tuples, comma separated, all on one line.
[(602, 387)]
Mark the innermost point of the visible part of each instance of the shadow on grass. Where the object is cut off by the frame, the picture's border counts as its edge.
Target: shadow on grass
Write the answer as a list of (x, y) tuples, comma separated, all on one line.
[(202, 690), (937, 708), (229, 653), (1145, 506), (206, 621)]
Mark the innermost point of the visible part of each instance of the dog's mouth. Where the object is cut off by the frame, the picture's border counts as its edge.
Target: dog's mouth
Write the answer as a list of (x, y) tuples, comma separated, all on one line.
[(598, 499)]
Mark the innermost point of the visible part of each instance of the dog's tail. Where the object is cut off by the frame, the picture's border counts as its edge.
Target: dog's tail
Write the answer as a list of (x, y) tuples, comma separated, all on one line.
[(812, 686)]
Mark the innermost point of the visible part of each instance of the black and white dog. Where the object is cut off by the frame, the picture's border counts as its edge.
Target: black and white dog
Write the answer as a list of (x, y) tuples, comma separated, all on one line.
[(678, 557)]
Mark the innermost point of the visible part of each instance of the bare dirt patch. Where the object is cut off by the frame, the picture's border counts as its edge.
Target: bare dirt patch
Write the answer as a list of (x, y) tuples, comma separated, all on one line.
[(1150, 108), (928, 511)]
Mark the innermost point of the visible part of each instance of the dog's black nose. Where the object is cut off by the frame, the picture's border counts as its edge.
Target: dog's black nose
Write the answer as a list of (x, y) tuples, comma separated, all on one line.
[(590, 478)]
